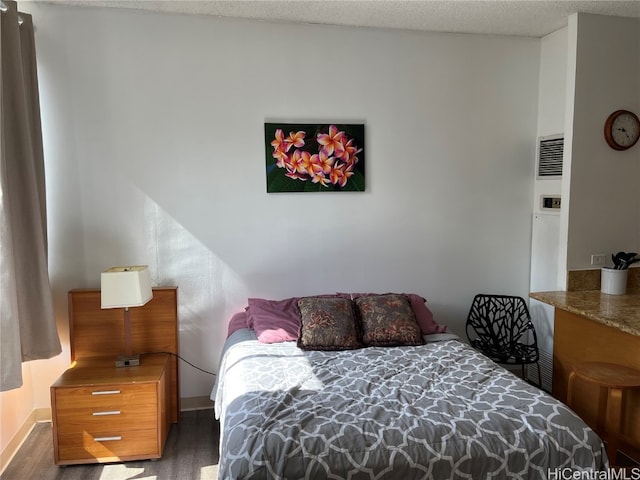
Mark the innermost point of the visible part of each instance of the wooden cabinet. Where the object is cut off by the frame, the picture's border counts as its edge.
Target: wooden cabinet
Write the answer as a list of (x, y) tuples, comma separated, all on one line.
[(102, 413), (579, 339)]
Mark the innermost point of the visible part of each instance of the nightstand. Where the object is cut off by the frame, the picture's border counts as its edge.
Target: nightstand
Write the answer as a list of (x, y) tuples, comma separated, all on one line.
[(102, 413)]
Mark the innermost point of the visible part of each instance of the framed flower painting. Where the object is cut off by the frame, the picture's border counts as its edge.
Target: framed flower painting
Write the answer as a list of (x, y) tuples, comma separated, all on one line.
[(303, 157)]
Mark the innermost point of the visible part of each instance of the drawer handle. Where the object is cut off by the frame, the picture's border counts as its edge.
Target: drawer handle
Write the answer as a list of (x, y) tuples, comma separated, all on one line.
[(106, 392), (109, 412), (107, 439)]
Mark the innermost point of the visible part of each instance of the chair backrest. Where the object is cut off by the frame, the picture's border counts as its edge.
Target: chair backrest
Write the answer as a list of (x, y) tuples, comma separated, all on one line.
[(500, 321)]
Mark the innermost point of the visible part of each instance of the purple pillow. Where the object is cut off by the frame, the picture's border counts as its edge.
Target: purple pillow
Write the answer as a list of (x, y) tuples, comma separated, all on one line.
[(238, 321), (274, 320), (424, 317)]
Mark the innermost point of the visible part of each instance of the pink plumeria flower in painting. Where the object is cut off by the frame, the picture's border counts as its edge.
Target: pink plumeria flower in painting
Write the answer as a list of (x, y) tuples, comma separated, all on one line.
[(278, 142), (282, 158), (324, 162), (332, 141), (352, 162), (296, 139), (340, 174), (294, 163), (307, 162), (349, 151), (316, 169), (297, 176), (320, 178)]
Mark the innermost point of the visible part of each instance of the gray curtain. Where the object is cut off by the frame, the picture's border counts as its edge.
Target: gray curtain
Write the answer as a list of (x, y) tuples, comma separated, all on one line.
[(28, 328)]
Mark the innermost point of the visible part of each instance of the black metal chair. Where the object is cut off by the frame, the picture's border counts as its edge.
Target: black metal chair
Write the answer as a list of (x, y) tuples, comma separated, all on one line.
[(499, 326)]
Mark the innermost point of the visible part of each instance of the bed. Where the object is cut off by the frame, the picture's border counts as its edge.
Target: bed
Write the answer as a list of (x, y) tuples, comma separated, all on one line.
[(427, 408)]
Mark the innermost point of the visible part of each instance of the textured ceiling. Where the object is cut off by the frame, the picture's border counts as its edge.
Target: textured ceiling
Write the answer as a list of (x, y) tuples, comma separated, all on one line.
[(531, 18)]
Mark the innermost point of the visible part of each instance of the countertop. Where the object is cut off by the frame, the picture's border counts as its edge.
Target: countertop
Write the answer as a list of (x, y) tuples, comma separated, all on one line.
[(617, 311)]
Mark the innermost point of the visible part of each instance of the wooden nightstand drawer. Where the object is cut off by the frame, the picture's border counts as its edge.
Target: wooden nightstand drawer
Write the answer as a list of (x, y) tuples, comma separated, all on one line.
[(105, 397), (129, 417), (108, 448)]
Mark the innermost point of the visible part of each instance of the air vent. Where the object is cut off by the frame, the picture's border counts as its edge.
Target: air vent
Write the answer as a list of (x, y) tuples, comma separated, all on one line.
[(550, 156)]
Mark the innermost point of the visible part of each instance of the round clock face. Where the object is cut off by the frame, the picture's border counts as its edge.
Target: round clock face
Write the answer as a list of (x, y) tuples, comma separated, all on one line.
[(622, 130)]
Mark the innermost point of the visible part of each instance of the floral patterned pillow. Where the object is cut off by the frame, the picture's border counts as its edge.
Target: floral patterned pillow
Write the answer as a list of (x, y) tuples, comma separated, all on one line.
[(327, 324), (388, 320)]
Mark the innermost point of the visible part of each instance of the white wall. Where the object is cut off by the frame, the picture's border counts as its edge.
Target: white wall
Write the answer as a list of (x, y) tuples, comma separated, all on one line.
[(604, 203), (551, 100), (546, 225), (154, 144), (553, 83), (16, 406)]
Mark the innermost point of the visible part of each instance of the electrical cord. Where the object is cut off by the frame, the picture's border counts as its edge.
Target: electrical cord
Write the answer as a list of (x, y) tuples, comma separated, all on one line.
[(179, 357)]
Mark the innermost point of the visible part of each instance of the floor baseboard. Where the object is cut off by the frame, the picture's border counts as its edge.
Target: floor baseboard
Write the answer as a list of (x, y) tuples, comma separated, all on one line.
[(195, 403)]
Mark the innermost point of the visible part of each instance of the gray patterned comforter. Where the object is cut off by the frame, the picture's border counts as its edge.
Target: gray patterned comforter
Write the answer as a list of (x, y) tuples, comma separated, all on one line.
[(436, 411)]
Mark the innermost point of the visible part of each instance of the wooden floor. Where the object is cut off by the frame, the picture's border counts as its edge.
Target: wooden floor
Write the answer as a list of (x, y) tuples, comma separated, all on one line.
[(191, 453)]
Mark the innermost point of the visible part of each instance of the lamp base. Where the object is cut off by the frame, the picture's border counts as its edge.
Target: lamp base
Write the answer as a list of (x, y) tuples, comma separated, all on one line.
[(128, 360)]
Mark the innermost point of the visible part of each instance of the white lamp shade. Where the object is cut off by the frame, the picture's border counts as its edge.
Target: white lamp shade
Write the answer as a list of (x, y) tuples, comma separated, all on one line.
[(122, 287)]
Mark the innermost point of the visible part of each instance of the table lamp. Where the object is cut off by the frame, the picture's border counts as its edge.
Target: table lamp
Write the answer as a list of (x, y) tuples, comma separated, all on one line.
[(124, 287)]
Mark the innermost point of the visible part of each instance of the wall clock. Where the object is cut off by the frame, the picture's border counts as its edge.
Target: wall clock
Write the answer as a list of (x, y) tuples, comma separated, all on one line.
[(622, 129)]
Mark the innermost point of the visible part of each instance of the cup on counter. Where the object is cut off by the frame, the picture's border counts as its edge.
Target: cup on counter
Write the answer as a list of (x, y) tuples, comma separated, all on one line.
[(613, 282)]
